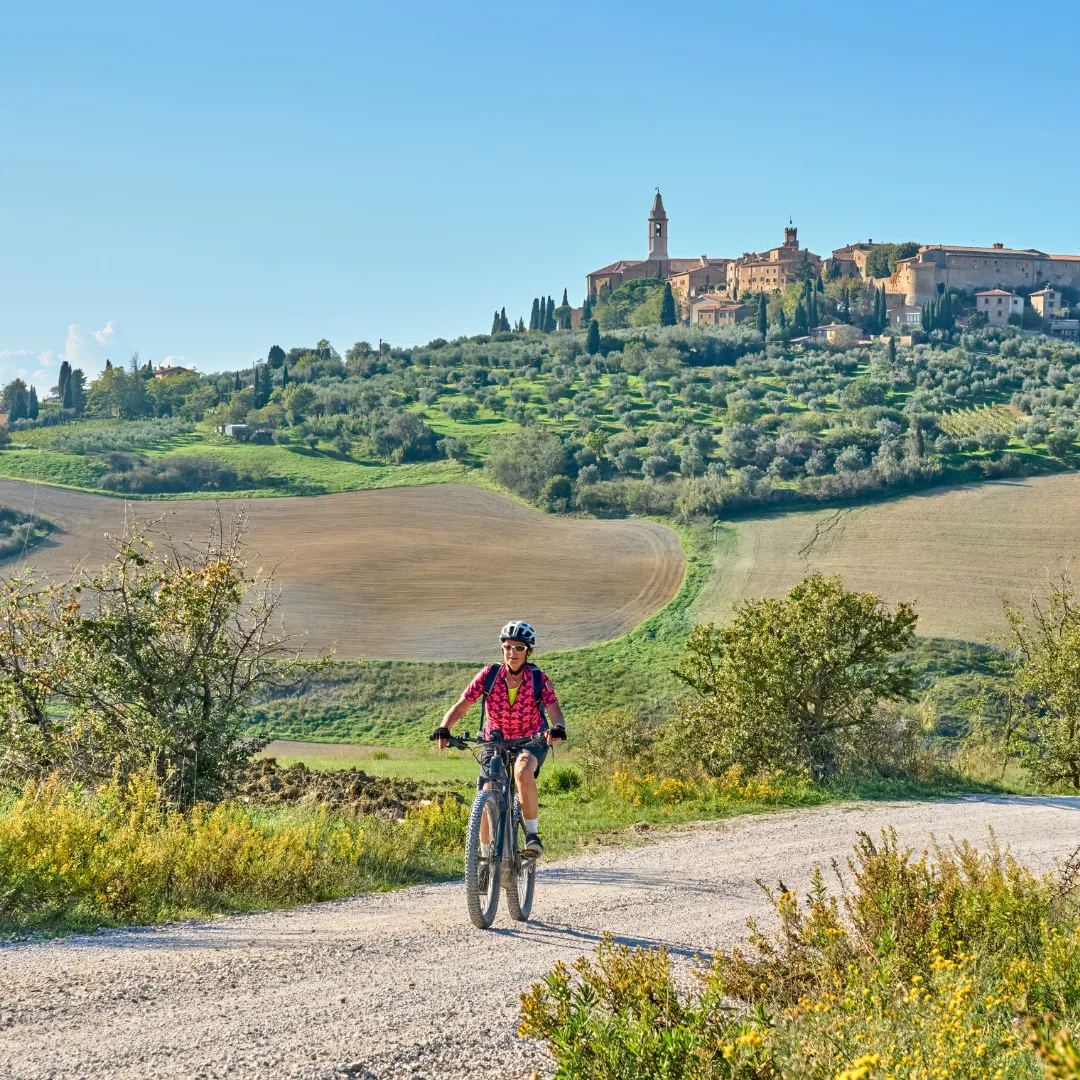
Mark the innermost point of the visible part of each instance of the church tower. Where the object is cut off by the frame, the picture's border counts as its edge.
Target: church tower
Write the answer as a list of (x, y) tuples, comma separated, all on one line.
[(658, 231)]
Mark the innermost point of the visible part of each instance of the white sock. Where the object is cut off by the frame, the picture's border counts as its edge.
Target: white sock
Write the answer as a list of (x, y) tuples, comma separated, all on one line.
[(485, 849), (532, 824)]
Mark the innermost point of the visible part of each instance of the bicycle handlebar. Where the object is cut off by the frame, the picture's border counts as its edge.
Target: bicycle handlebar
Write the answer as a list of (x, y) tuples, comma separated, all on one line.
[(459, 742)]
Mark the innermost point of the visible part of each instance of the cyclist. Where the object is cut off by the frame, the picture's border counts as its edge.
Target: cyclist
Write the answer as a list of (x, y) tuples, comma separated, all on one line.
[(512, 708)]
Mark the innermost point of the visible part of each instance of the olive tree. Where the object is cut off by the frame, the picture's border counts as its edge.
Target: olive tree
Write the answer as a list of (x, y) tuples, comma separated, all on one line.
[(1044, 686), (150, 660), (789, 681)]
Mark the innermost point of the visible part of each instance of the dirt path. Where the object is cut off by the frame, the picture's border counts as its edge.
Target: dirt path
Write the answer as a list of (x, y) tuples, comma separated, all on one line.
[(399, 985)]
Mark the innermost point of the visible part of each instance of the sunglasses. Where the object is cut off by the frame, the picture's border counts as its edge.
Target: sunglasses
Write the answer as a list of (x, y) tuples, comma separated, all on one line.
[(514, 648)]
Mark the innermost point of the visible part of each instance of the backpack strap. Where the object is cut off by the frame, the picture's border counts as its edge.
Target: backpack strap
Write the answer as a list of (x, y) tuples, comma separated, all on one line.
[(490, 676), (538, 691)]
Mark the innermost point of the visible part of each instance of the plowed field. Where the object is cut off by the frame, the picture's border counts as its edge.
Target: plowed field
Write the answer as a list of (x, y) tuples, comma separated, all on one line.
[(957, 552), (405, 573)]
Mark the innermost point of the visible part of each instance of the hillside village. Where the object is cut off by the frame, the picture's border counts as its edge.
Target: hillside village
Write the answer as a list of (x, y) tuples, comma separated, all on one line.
[(996, 284)]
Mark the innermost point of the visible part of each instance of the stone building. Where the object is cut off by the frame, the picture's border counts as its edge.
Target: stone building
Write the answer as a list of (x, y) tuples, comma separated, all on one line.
[(1046, 302), (997, 305), (772, 270), (713, 310), (925, 275), (688, 277), (849, 261)]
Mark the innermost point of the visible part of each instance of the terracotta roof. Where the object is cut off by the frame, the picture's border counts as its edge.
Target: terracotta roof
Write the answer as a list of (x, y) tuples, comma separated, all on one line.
[(995, 292), (727, 305), (984, 250), (1043, 292), (1065, 258)]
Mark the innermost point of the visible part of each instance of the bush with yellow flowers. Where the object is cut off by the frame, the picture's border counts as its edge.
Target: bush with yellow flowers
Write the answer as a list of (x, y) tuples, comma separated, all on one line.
[(71, 859), (952, 964)]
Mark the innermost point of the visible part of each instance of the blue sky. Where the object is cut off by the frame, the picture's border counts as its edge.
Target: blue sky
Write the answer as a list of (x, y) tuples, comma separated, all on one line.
[(206, 181)]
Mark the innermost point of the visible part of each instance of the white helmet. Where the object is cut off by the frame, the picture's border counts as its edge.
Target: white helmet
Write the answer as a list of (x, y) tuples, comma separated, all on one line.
[(518, 631)]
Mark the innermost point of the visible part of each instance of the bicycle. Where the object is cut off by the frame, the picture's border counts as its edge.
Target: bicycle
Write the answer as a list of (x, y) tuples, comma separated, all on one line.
[(506, 864)]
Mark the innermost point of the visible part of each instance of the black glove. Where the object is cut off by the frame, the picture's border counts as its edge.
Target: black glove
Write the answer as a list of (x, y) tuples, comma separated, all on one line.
[(558, 733), (440, 733)]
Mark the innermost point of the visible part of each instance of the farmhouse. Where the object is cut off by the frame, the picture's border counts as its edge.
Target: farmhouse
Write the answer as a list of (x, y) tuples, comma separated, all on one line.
[(997, 305), (1046, 302), (849, 261), (716, 311), (688, 277)]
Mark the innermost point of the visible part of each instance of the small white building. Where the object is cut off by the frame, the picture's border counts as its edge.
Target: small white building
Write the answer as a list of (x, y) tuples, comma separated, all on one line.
[(997, 305)]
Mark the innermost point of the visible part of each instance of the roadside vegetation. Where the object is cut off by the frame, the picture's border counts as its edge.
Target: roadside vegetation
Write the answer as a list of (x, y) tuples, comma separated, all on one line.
[(952, 963)]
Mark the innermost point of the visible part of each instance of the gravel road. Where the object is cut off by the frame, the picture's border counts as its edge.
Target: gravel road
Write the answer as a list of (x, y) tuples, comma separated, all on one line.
[(400, 985)]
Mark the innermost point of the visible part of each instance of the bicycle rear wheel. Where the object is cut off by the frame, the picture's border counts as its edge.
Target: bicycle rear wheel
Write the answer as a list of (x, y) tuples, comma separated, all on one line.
[(522, 886), (482, 872)]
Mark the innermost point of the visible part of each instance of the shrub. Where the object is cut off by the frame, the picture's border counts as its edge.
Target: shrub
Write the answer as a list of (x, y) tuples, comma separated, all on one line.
[(789, 680), (526, 460), (175, 473), (562, 779), (924, 968)]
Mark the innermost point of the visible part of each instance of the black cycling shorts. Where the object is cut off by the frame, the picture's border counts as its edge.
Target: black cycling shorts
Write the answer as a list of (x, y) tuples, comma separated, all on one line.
[(539, 752)]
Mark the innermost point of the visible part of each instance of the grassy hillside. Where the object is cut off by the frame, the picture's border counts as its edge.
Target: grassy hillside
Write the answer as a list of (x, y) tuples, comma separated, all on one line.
[(392, 703)]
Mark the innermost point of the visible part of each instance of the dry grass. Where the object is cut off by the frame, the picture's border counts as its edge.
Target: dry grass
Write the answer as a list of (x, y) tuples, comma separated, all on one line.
[(408, 573), (956, 551)]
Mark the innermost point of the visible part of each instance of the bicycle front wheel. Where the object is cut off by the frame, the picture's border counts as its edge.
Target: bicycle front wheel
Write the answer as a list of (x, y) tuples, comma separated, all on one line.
[(482, 870), (522, 886)]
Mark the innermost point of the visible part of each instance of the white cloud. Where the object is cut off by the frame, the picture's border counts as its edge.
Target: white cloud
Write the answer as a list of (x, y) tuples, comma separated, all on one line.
[(104, 336), (87, 349), (172, 361)]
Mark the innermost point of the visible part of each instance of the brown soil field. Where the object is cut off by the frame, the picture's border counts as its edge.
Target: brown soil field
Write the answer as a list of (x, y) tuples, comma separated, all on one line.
[(403, 573), (958, 552)]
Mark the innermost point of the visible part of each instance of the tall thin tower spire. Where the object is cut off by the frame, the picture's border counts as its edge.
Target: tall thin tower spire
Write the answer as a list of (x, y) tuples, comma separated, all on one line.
[(658, 226)]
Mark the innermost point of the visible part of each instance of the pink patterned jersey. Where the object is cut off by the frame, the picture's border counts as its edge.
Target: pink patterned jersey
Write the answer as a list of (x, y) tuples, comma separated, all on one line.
[(520, 720)]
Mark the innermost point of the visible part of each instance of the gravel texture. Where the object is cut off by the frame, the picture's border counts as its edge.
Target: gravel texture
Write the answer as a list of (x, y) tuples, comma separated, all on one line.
[(400, 985)]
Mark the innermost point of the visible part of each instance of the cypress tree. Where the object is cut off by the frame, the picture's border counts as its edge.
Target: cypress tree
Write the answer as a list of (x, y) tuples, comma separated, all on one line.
[(62, 381), (66, 401), (892, 349), (586, 309), (592, 338), (284, 376), (237, 385), (32, 407), (549, 318), (667, 307), (846, 296), (565, 301), (534, 318), (495, 323), (504, 322), (762, 316), (782, 321), (108, 365)]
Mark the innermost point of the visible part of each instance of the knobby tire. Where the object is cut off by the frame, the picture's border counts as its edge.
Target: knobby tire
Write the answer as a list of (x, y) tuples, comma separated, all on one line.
[(482, 905), (522, 886)]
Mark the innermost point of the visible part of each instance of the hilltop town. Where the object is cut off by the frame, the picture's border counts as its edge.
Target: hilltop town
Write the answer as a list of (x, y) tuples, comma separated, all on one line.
[(995, 284)]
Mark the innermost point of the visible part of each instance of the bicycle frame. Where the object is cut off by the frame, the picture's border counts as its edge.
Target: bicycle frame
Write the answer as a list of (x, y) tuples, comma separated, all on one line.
[(499, 775)]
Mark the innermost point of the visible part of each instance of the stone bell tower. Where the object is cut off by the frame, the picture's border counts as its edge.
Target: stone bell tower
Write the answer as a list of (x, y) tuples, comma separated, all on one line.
[(658, 231)]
